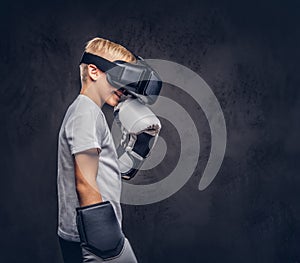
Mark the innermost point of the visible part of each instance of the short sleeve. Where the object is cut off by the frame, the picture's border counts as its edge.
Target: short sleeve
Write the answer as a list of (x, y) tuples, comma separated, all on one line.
[(81, 131)]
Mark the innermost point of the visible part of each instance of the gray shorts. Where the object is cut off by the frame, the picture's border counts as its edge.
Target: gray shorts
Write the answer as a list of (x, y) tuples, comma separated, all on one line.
[(126, 255)]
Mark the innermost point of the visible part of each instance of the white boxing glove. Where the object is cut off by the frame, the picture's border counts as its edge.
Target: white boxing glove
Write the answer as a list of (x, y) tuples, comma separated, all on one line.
[(140, 128)]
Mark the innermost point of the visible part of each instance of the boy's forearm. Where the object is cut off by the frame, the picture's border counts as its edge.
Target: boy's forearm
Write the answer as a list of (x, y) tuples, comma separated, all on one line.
[(86, 167), (88, 195)]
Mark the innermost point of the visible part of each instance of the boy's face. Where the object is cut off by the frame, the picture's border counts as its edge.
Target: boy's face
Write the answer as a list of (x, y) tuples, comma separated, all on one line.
[(109, 94)]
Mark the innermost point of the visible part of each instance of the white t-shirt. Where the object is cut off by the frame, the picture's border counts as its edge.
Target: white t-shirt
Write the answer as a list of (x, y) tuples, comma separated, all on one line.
[(85, 127)]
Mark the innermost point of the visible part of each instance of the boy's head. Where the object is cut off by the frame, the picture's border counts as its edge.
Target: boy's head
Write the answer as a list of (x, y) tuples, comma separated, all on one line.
[(93, 81), (106, 49)]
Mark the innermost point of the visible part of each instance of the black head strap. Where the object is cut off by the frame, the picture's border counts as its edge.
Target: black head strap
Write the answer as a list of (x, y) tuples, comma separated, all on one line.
[(101, 63)]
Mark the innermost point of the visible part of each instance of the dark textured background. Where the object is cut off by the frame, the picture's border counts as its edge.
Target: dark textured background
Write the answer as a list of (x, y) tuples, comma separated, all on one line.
[(247, 51)]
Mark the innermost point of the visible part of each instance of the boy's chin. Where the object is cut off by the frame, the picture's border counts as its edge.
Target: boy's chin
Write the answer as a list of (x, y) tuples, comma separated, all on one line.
[(112, 103), (113, 100)]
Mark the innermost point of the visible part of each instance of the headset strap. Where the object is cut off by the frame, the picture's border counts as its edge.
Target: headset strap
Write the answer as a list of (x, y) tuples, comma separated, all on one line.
[(101, 63)]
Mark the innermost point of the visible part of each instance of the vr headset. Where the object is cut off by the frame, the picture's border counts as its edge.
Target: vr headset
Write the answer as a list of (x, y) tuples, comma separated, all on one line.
[(138, 80)]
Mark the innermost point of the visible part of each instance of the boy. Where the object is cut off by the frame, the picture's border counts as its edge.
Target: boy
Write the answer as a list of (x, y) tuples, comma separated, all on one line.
[(88, 172)]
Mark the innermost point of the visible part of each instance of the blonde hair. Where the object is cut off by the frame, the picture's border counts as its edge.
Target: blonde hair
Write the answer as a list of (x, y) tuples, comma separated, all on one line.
[(106, 49)]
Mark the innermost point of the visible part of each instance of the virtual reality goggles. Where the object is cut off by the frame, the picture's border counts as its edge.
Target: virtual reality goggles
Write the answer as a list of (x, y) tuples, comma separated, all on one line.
[(138, 79)]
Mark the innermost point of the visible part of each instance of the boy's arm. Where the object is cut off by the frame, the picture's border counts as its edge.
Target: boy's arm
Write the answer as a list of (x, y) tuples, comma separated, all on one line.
[(86, 169), (98, 227)]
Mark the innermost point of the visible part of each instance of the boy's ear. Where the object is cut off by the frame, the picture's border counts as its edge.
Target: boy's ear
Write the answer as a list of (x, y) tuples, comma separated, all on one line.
[(94, 72)]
